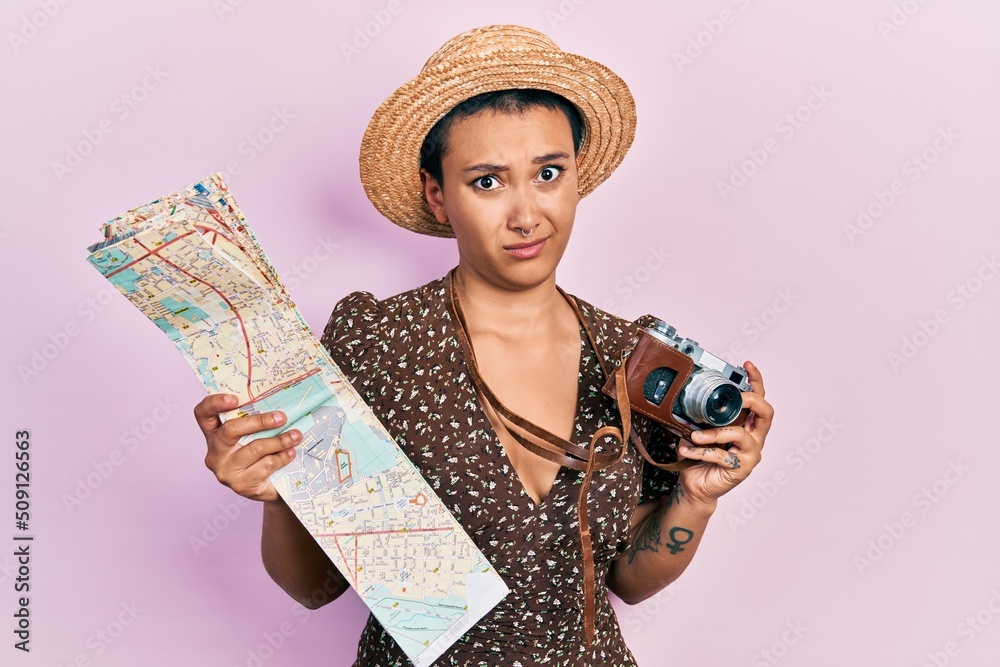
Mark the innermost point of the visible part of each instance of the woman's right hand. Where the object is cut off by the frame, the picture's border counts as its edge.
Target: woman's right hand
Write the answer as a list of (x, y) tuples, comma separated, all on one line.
[(245, 469)]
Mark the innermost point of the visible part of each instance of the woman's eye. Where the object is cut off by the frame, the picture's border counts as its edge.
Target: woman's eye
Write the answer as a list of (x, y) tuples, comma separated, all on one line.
[(485, 183), (549, 173)]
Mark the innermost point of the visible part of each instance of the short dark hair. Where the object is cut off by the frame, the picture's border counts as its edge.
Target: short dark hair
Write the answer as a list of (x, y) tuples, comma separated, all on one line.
[(513, 101)]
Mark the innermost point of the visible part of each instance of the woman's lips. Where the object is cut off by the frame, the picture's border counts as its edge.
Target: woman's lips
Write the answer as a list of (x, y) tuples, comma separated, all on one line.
[(526, 250)]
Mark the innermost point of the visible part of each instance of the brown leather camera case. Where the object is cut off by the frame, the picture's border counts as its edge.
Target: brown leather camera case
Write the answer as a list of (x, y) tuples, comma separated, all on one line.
[(649, 354)]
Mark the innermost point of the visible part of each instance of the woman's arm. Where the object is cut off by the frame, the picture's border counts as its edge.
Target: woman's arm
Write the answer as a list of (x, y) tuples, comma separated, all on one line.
[(291, 556), (295, 561), (666, 534)]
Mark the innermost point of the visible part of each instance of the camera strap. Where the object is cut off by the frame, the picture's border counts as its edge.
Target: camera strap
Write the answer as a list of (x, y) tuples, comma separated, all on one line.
[(551, 447)]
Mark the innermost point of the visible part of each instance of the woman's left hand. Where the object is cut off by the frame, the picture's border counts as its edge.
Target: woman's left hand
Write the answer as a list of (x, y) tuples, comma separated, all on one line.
[(722, 469)]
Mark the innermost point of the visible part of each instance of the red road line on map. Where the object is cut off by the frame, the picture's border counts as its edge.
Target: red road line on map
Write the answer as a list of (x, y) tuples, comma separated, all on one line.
[(211, 211), (275, 389), (384, 532), (217, 234), (215, 215), (246, 336), (149, 252), (354, 575)]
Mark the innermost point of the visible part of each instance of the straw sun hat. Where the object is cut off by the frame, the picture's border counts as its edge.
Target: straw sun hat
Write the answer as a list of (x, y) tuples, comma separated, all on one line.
[(487, 59)]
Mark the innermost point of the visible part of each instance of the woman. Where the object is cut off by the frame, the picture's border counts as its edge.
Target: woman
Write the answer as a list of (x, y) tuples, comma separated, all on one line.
[(494, 143)]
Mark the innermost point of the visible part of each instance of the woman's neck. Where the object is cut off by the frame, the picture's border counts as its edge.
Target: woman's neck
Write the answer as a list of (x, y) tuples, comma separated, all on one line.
[(521, 313)]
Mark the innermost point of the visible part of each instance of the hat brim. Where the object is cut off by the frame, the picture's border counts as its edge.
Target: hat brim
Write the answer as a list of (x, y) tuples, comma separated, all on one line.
[(390, 149)]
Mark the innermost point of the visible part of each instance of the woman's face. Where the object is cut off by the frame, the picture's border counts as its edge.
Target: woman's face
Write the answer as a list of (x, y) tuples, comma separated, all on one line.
[(505, 173)]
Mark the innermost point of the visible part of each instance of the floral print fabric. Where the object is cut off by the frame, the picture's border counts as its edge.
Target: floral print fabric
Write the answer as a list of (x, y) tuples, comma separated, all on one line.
[(402, 356)]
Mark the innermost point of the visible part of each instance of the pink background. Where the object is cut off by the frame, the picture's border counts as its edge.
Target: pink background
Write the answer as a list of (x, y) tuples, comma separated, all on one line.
[(790, 561)]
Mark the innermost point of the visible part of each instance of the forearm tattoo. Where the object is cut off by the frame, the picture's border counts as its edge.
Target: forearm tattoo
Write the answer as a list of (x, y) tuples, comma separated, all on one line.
[(676, 494), (678, 538), (648, 538)]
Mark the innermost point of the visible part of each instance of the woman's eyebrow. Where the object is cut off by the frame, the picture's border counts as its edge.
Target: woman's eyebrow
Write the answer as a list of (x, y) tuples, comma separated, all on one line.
[(484, 167), (487, 167), (549, 157)]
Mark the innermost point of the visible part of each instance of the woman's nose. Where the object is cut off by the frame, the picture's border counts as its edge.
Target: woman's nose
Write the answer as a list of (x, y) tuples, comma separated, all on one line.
[(525, 211)]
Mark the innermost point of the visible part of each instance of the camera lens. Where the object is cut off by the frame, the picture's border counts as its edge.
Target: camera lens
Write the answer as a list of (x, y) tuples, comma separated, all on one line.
[(723, 405), (709, 398)]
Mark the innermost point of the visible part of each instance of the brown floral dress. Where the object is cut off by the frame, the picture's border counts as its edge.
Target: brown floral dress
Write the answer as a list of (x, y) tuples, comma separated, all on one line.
[(402, 356)]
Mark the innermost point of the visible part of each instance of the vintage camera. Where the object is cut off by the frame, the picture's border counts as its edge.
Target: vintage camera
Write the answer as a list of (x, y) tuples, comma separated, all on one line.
[(676, 382)]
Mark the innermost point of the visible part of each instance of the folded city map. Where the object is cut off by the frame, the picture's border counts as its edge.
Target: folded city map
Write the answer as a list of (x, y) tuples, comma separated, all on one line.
[(191, 264)]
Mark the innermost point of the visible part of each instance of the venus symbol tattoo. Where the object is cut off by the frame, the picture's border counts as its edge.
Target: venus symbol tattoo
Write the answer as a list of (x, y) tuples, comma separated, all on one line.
[(677, 540)]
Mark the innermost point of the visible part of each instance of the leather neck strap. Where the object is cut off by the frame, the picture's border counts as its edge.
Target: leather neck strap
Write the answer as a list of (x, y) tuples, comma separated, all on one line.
[(553, 448), (550, 446)]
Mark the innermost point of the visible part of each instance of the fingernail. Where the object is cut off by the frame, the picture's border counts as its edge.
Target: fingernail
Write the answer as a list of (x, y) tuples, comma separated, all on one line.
[(291, 453), (296, 436), (231, 399), (697, 435), (277, 418)]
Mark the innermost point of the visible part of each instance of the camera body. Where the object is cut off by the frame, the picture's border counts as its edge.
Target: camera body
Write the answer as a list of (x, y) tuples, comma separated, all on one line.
[(679, 384)]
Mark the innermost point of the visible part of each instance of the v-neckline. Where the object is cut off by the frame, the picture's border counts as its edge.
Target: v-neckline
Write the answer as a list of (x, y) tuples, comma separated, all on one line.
[(561, 471), (502, 454), (485, 425)]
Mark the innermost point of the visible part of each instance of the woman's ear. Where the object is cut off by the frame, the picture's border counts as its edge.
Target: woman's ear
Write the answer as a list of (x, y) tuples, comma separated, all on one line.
[(434, 196)]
